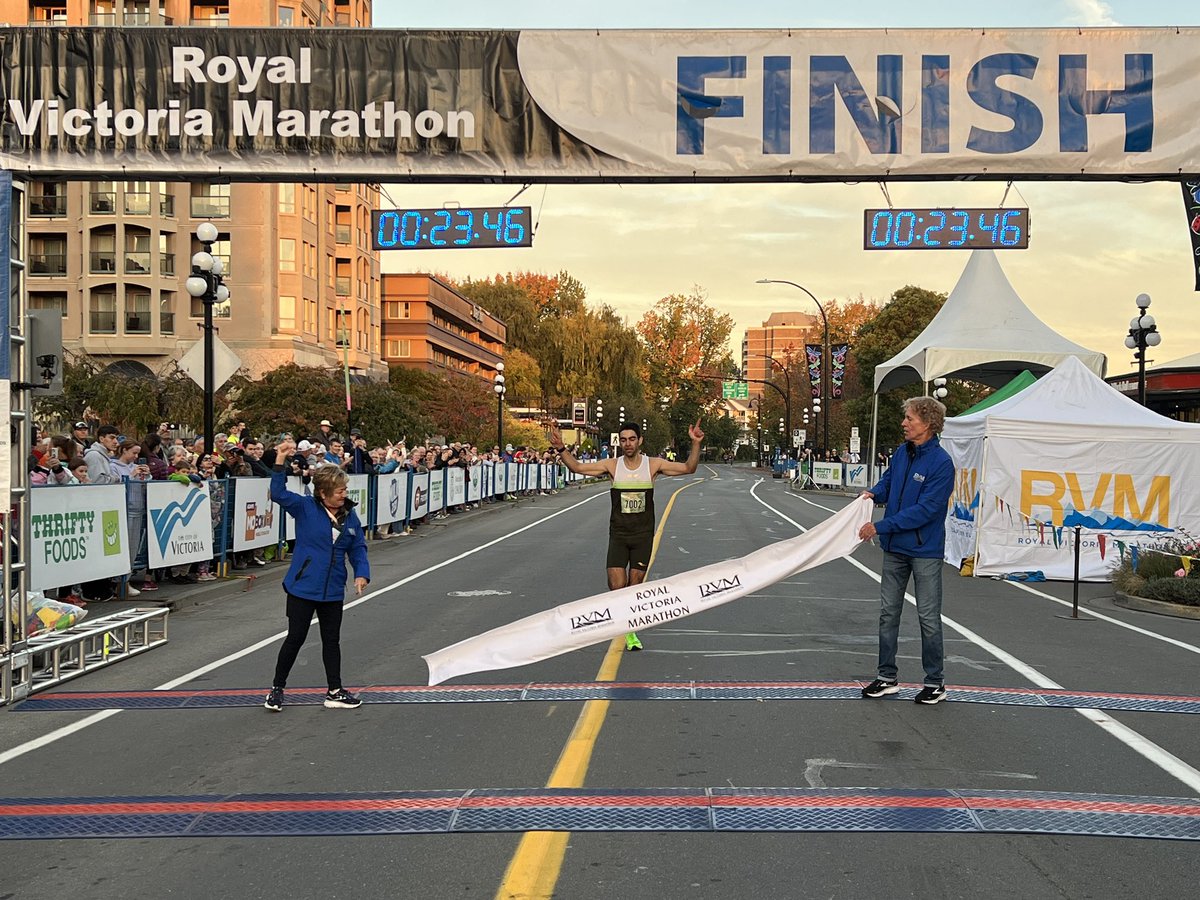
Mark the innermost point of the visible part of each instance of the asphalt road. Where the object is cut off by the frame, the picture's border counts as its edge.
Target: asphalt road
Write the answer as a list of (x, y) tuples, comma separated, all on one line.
[(492, 566)]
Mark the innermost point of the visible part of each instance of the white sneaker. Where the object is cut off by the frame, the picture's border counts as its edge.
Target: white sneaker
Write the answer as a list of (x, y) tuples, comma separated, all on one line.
[(131, 591)]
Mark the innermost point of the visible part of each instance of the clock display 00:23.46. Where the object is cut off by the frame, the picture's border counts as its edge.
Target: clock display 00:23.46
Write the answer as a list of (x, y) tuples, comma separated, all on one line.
[(461, 227), (945, 228)]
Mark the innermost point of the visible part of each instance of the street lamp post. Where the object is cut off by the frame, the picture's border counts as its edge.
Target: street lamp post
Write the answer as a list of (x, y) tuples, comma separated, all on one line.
[(600, 439), (825, 361), (206, 285), (498, 387), (787, 381), (1143, 333)]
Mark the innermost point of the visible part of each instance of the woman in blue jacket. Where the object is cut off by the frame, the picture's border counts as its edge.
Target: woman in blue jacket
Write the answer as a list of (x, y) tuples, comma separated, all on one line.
[(327, 531)]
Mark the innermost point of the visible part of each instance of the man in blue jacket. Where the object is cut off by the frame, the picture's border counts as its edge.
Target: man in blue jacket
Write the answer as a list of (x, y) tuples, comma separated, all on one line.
[(328, 531), (915, 491)]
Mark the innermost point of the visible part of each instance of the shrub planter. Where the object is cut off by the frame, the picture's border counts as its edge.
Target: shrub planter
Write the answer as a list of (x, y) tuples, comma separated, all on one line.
[(1159, 607)]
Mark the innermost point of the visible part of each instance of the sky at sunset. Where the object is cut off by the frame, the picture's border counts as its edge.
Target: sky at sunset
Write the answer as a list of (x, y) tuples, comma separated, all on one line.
[(1094, 246)]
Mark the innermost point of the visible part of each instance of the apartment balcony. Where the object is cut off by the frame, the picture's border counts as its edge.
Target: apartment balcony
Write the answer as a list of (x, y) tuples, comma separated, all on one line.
[(103, 262), (166, 264), (137, 262), (218, 20), (137, 204), (103, 203), (102, 322), (48, 264), (210, 207), (166, 206), (47, 205)]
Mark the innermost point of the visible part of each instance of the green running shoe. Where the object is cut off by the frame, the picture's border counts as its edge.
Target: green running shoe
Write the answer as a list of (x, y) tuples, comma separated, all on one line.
[(632, 642)]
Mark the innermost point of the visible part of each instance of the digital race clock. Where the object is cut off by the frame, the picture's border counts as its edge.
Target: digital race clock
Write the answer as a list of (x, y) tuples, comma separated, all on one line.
[(464, 226), (945, 229)]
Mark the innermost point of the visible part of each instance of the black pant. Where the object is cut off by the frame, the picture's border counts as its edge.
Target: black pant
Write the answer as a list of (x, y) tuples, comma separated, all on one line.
[(299, 616)]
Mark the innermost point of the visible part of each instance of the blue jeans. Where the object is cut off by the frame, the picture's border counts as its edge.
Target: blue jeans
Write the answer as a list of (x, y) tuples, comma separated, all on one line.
[(927, 578)]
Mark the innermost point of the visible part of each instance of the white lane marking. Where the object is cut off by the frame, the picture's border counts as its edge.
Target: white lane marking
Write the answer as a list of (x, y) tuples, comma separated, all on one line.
[(1159, 756), (95, 718), (486, 592), (819, 764)]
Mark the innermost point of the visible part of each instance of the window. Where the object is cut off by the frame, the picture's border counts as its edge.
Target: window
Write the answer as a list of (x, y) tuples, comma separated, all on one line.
[(310, 204), (342, 282), (287, 255), (287, 16), (102, 310), (211, 15), (340, 324), (310, 259), (103, 13), (221, 250), (287, 199), (166, 200), (137, 252), (166, 255), (103, 258), (137, 310), (287, 313), (47, 254), (210, 201), (395, 309), (49, 300), (395, 349), (47, 198), (48, 14), (310, 316), (166, 313), (137, 198), (103, 199)]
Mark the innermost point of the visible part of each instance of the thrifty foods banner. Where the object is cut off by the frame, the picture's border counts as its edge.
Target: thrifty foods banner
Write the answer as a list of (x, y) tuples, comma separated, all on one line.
[(370, 105), (613, 613), (77, 534), (180, 523)]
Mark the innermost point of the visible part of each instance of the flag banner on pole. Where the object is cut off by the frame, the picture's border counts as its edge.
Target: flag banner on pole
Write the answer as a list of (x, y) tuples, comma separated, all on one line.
[(1191, 202), (813, 353), (837, 369), (603, 617)]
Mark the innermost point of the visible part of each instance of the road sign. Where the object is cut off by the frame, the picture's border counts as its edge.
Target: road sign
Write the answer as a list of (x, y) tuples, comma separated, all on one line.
[(799, 436), (854, 432), (855, 444), (225, 363), (735, 390)]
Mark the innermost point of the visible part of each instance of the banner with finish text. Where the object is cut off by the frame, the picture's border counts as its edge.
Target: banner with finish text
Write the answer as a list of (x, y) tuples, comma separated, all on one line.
[(612, 614), (368, 105)]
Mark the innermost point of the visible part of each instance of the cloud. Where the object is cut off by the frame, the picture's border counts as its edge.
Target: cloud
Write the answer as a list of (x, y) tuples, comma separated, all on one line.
[(1095, 13)]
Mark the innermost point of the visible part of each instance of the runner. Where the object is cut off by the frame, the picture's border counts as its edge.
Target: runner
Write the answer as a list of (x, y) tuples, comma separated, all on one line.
[(631, 523)]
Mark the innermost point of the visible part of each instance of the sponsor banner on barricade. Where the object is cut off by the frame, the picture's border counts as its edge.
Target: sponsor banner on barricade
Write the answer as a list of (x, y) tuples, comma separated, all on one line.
[(391, 504), (456, 486), (357, 490), (531, 476), (255, 517), (77, 534), (488, 479), (474, 484), (437, 490), (827, 473), (510, 477), (297, 486), (420, 495), (856, 475), (612, 614), (179, 523)]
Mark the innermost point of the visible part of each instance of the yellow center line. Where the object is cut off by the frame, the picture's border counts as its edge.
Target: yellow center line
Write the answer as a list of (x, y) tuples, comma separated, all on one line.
[(533, 870)]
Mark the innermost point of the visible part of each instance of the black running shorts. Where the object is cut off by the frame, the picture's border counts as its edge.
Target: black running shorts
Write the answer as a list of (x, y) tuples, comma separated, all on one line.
[(632, 551)]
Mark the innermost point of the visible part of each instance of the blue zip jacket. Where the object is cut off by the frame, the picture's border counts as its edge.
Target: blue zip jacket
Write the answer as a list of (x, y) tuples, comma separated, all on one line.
[(318, 569), (915, 492)]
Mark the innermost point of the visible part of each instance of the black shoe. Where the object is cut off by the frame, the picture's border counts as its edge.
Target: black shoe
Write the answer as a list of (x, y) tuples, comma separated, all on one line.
[(930, 695), (274, 701), (880, 688), (341, 699)]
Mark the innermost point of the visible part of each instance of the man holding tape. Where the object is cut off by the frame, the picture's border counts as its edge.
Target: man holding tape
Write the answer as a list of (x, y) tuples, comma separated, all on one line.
[(631, 522)]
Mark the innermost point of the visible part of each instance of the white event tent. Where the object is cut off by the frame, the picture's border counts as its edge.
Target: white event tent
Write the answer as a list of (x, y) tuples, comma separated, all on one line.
[(983, 333), (1068, 450)]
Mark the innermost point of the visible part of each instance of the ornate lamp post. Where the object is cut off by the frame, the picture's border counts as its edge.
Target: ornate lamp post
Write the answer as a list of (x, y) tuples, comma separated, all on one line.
[(818, 402), (1143, 333), (206, 285), (787, 381), (498, 387), (600, 439)]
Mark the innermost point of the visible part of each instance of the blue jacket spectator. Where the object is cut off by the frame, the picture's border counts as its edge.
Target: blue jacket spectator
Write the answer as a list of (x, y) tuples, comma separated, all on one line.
[(318, 569)]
